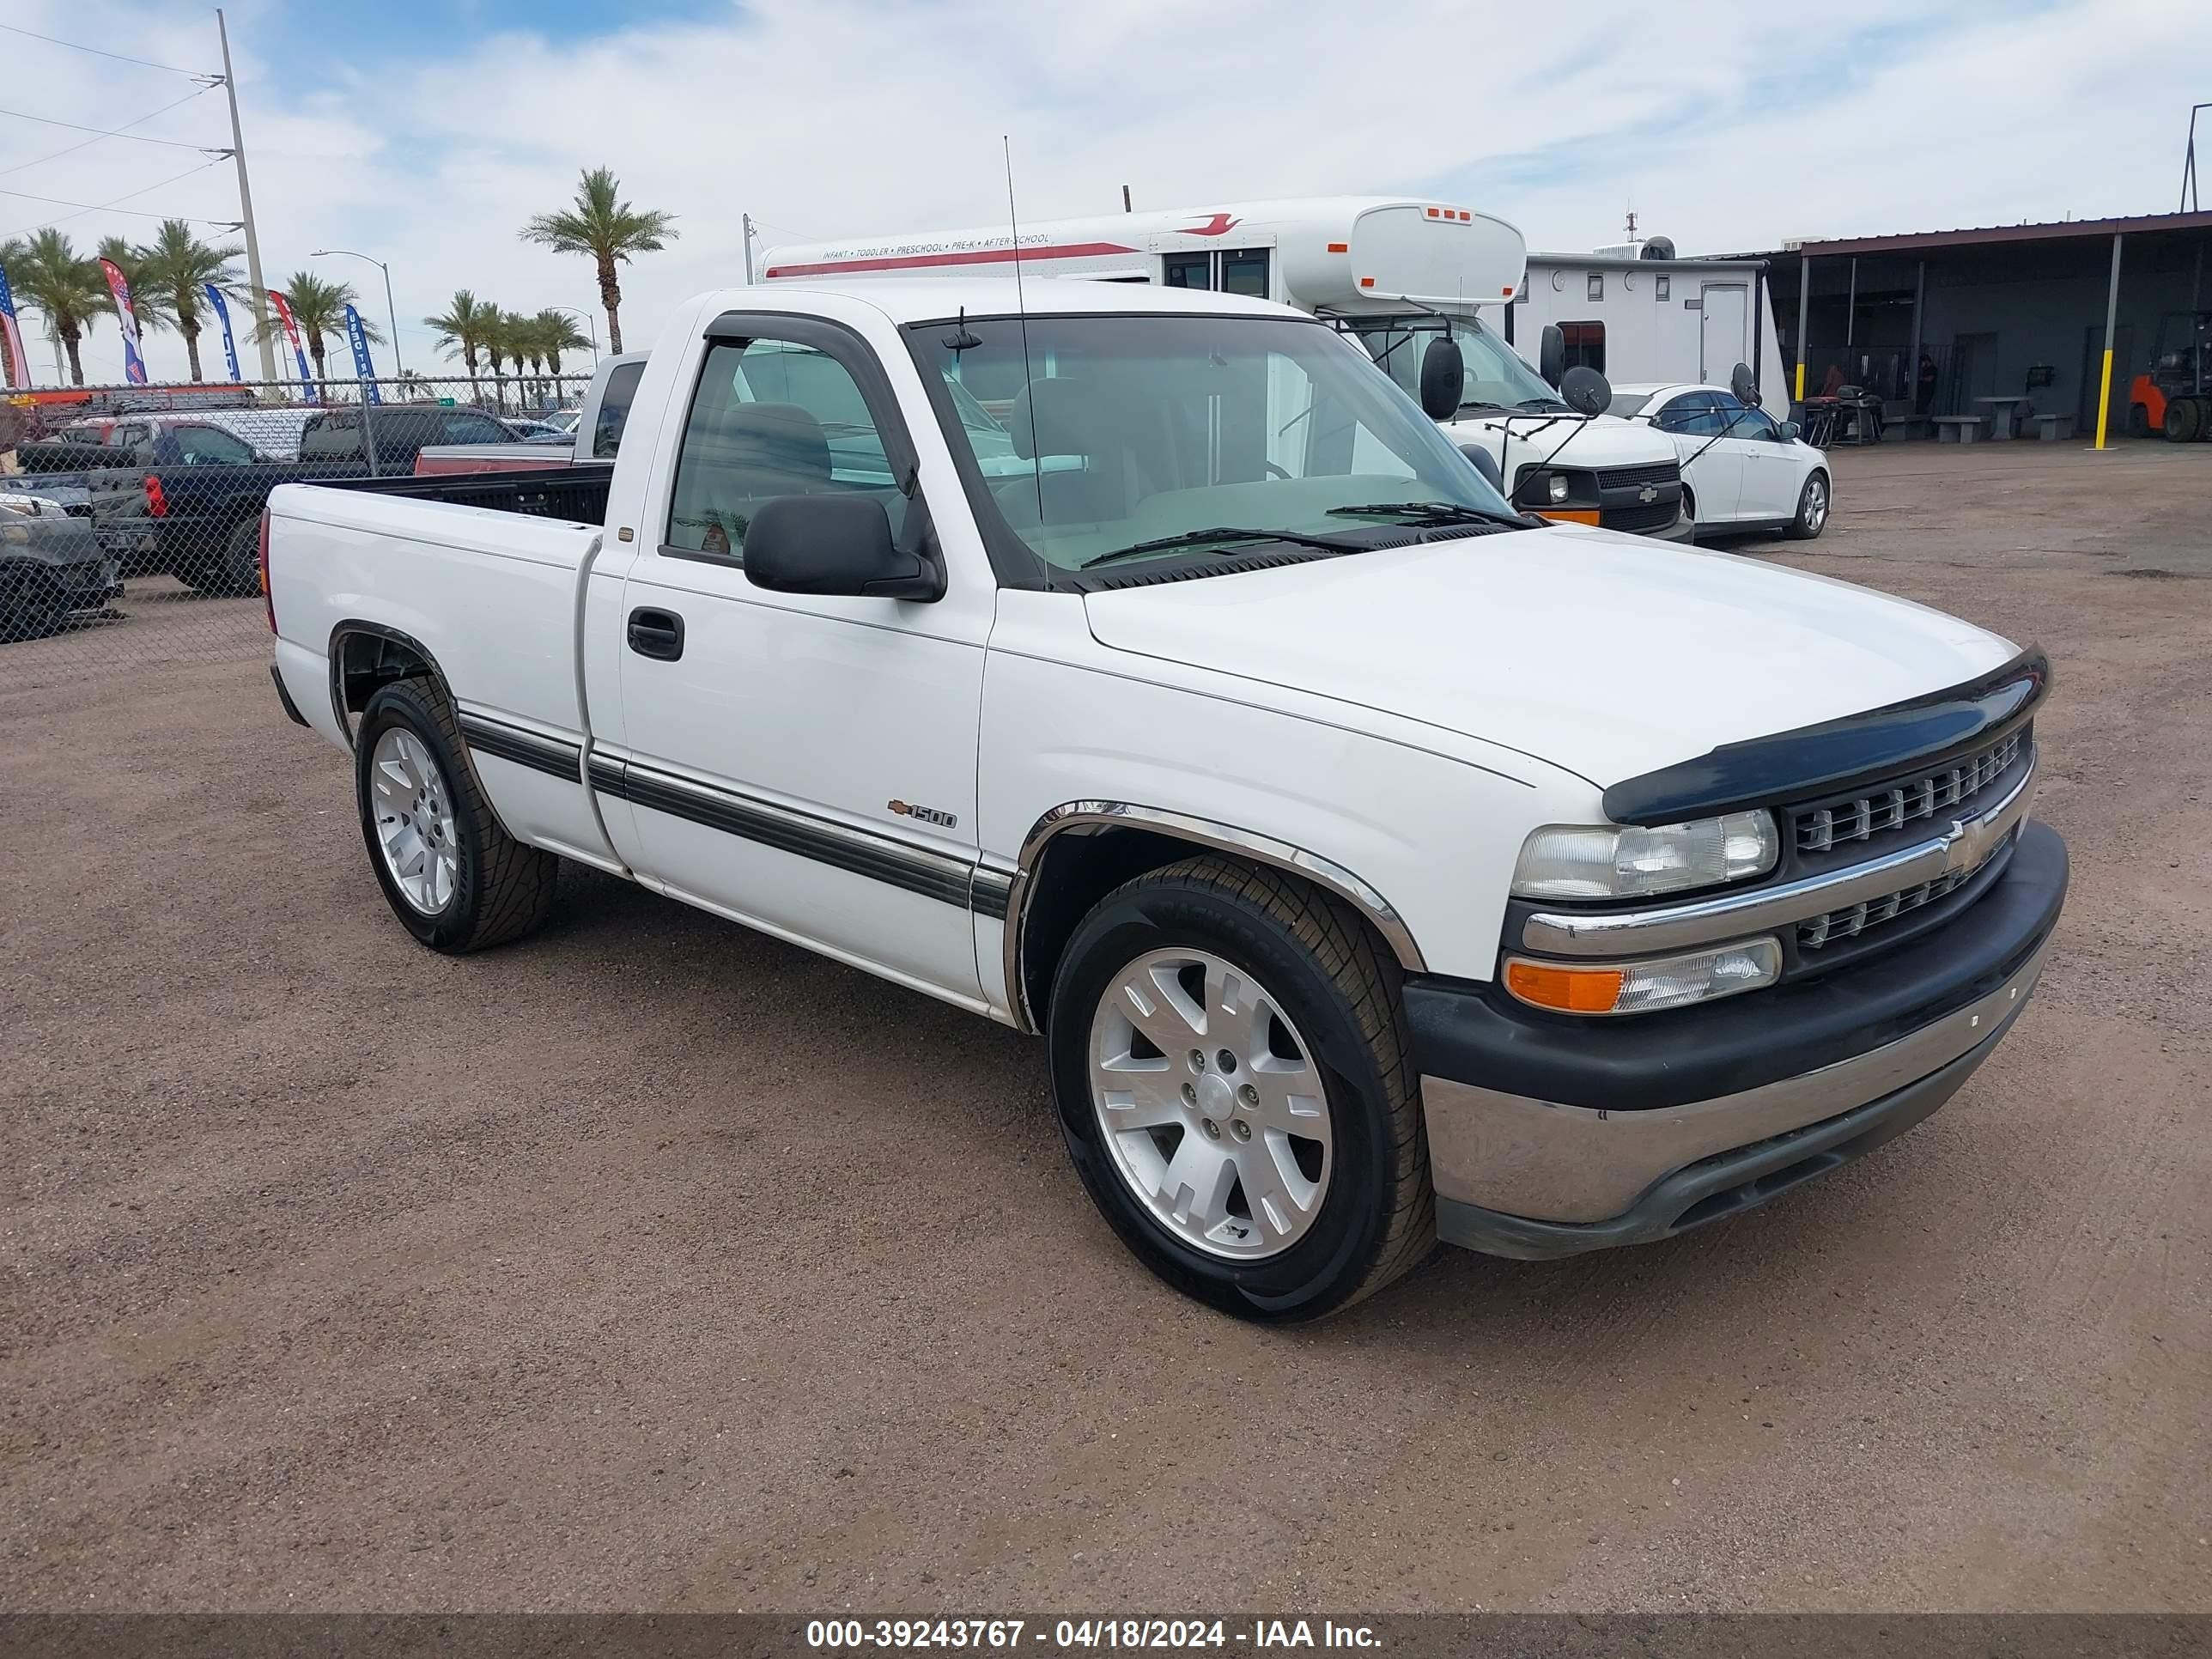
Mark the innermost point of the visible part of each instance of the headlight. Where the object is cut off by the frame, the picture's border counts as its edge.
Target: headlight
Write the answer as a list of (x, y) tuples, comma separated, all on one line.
[(1646, 986), (1556, 488), (1569, 861)]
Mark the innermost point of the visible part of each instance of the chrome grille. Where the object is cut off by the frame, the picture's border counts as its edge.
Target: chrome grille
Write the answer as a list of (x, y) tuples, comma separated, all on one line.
[(1850, 922), (1861, 817)]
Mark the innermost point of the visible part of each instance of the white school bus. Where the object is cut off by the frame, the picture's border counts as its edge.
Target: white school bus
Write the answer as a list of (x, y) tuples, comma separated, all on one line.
[(1394, 272)]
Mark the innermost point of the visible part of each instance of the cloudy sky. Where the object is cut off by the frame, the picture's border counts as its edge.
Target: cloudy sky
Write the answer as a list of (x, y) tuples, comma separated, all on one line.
[(426, 132)]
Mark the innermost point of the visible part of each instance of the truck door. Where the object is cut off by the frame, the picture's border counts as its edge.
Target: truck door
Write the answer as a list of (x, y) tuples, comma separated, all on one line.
[(805, 763)]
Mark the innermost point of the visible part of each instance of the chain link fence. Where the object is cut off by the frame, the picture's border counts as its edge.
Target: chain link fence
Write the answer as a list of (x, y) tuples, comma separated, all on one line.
[(130, 516)]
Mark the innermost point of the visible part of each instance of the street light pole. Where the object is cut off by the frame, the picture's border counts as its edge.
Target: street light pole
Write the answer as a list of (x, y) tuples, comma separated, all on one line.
[(398, 366), (245, 213)]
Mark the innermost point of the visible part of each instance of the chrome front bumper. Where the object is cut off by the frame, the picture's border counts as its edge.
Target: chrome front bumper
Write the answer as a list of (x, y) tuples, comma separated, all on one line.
[(1548, 1136), (1523, 1159)]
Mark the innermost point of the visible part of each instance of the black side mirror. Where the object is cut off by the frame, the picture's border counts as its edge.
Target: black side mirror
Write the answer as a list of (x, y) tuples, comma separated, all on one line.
[(1788, 431), (834, 545), (1443, 376), (1745, 385), (1551, 354), (1486, 463), (1585, 390)]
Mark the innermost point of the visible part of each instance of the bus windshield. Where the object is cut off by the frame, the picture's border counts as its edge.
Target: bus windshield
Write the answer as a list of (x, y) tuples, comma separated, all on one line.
[(1496, 376), (1146, 438)]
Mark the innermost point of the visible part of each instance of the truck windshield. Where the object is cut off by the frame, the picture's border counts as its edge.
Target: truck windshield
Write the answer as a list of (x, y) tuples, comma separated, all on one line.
[(1152, 438), (1496, 376)]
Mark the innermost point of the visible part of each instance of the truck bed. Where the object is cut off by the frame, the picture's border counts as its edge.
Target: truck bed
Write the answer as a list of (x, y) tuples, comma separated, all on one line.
[(577, 494)]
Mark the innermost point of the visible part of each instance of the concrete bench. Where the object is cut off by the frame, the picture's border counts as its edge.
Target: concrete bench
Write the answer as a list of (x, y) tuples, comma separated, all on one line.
[(1896, 429), (2053, 429), (1961, 429)]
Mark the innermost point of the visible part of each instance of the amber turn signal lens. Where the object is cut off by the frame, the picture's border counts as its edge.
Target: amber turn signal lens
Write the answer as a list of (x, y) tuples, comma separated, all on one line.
[(1570, 990), (1570, 515)]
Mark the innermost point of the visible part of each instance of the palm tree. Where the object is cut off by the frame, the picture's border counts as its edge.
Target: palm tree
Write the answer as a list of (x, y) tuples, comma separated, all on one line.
[(464, 328), (559, 331), (499, 345), (51, 278), (318, 308), (609, 230), (170, 273)]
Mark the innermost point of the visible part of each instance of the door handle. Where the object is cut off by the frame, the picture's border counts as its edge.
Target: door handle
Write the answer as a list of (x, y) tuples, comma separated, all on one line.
[(657, 633)]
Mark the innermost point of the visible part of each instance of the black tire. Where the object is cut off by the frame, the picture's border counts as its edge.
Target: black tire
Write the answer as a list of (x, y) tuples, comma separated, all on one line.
[(1814, 502), (503, 889), (1377, 1218), (2185, 421), (1690, 511), (231, 569), (30, 609), (2138, 421)]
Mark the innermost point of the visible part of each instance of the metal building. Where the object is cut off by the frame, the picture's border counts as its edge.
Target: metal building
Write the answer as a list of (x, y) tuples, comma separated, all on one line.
[(1998, 312)]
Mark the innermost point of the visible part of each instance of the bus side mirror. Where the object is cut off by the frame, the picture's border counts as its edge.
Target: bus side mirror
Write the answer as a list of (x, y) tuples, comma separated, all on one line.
[(1745, 385), (1551, 354), (1585, 390), (1443, 375)]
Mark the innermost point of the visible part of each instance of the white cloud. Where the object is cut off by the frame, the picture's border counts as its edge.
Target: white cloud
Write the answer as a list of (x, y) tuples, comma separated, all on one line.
[(1727, 128)]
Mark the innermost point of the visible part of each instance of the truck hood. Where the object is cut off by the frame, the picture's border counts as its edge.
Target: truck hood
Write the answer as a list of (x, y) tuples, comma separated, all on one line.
[(1604, 441), (1608, 655)]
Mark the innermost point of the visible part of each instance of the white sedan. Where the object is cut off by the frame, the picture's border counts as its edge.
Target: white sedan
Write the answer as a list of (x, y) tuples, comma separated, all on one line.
[(1740, 471)]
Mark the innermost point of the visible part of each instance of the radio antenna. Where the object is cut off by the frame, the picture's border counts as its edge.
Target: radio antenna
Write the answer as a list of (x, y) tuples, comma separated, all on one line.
[(1022, 310)]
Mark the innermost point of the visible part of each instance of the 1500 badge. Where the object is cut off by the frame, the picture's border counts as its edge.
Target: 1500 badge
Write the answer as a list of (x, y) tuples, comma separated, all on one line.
[(924, 814)]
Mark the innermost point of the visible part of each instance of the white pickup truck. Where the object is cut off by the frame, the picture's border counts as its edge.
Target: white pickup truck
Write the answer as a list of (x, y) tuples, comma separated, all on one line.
[(1379, 864)]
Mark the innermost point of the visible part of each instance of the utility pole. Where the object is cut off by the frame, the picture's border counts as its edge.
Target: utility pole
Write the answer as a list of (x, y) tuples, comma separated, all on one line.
[(748, 219), (245, 213)]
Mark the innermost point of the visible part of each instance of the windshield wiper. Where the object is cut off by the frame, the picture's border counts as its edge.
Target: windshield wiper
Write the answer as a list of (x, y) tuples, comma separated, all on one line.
[(1545, 405), (1208, 537), (1434, 512)]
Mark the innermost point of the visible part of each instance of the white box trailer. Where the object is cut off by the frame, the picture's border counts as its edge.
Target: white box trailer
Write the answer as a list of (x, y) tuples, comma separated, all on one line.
[(1641, 320), (1392, 271)]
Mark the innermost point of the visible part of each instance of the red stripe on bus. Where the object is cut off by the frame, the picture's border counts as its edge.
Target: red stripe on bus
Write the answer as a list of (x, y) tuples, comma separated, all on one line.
[(985, 255)]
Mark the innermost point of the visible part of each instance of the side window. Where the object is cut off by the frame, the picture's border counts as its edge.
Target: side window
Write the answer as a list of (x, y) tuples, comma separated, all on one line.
[(1585, 345), (615, 400), (473, 429), (1693, 416), (769, 418), (1186, 270), (1756, 425), (1244, 271), (201, 445)]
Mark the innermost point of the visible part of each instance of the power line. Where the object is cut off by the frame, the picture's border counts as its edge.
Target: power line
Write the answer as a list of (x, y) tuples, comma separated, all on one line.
[(100, 207), (109, 132), (143, 62), (121, 130)]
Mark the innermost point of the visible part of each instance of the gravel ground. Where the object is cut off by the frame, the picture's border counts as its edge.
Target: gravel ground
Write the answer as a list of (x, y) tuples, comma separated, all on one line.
[(655, 1264)]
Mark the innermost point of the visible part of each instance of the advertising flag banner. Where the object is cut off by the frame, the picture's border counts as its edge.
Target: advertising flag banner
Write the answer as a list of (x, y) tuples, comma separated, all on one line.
[(221, 309), (364, 370), (19, 365), (134, 366), (299, 352)]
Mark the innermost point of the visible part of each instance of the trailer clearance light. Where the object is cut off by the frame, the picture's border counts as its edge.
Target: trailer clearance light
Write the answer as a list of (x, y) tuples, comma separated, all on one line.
[(1603, 861), (1645, 988)]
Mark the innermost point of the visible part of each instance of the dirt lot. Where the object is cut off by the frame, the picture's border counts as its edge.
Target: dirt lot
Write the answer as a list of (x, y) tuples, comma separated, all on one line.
[(654, 1264)]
